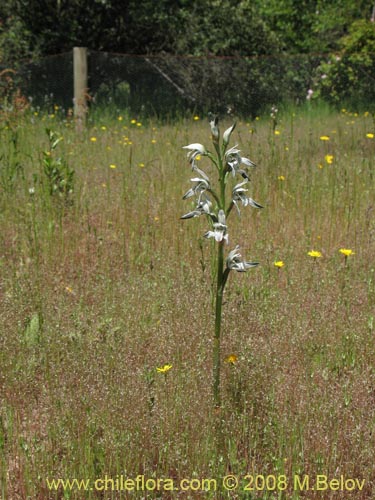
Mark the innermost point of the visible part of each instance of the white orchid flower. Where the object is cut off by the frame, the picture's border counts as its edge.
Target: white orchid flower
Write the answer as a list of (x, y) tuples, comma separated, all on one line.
[(235, 263), (201, 185), (203, 208), (234, 160), (220, 229), (227, 134), (238, 195), (195, 150), (214, 128)]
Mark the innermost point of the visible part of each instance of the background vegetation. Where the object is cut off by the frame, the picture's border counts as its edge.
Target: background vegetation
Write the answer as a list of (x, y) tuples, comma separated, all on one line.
[(285, 47), (101, 283)]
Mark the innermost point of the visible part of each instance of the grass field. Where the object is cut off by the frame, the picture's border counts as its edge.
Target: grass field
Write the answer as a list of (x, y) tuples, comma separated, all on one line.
[(100, 287)]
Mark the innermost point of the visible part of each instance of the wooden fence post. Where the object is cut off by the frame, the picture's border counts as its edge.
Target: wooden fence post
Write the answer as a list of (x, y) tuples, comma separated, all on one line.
[(80, 86)]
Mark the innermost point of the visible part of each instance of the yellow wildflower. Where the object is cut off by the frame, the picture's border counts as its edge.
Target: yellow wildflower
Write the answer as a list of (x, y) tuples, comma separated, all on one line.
[(281, 178), (133, 122), (93, 139), (314, 253), (232, 359), (112, 166), (324, 138), (370, 135), (346, 251), (329, 159), (164, 369), (196, 118), (279, 264), (277, 132)]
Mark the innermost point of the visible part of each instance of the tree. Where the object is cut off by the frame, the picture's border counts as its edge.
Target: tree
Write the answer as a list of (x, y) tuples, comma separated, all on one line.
[(350, 74), (312, 25)]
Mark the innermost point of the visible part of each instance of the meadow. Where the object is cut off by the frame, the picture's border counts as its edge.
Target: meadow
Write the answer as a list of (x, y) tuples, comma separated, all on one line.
[(102, 285)]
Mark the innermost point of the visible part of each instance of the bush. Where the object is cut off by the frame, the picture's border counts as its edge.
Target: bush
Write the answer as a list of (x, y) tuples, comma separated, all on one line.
[(350, 75)]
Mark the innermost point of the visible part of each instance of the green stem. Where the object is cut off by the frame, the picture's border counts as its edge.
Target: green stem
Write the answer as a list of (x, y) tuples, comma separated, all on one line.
[(229, 209), (217, 336), (221, 279), (215, 196)]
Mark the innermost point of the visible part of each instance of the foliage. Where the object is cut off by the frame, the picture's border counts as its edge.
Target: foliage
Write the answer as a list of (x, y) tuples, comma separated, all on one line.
[(58, 174), (227, 29), (311, 26), (350, 75), (196, 28), (141, 27), (15, 38)]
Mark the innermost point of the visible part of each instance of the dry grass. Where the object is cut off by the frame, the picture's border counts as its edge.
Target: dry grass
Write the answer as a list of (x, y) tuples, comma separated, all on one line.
[(120, 286)]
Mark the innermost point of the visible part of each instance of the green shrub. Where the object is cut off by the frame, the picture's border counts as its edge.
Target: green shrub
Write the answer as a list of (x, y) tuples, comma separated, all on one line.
[(350, 75)]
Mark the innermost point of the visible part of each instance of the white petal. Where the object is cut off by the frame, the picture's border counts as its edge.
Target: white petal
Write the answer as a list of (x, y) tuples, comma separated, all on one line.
[(232, 150), (248, 162), (200, 172), (253, 203), (196, 147), (227, 134), (241, 184), (248, 265), (221, 217)]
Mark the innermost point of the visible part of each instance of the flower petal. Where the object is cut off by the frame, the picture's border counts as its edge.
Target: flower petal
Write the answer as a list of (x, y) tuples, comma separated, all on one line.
[(247, 162), (227, 134), (190, 215), (196, 147), (254, 204)]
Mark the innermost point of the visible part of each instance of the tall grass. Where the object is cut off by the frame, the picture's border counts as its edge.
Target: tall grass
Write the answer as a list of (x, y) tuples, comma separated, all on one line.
[(97, 293)]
